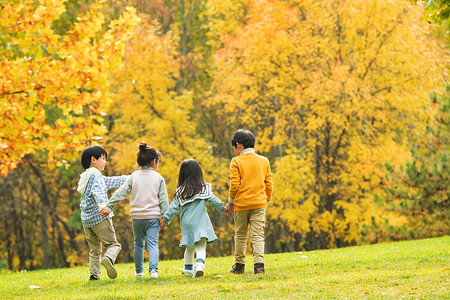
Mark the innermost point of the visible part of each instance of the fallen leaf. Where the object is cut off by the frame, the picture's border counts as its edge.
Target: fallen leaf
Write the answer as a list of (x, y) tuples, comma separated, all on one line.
[(366, 293)]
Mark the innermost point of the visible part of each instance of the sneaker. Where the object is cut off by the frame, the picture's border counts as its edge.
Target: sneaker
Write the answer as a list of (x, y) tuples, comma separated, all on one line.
[(154, 274), (109, 265), (259, 268), (139, 275), (93, 277), (237, 268), (187, 273), (199, 268)]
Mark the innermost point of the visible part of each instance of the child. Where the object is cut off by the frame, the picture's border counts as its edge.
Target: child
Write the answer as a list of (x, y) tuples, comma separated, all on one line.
[(250, 193), (196, 229), (97, 229), (148, 201)]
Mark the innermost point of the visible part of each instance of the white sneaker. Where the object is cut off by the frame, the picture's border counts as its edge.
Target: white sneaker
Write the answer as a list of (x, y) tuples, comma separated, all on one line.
[(139, 275), (187, 273), (154, 274), (199, 268)]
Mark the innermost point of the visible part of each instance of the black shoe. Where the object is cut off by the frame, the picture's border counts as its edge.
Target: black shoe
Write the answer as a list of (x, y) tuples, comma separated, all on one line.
[(237, 268), (259, 268), (93, 278)]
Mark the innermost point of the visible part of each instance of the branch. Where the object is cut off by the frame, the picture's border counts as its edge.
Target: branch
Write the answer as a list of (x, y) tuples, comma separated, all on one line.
[(40, 87)]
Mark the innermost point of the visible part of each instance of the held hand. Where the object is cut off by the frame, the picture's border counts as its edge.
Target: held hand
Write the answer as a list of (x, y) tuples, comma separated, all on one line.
[(230, 208), (105, 211), (162, 224)]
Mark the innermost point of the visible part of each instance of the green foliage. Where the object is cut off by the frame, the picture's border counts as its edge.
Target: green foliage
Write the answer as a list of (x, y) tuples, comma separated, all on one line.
[(422, 190), (438, 10)]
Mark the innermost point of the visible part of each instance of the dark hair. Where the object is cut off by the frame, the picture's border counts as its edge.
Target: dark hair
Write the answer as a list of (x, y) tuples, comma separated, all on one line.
[(243, 137), (146, 155), (95, 151), (190, 179)]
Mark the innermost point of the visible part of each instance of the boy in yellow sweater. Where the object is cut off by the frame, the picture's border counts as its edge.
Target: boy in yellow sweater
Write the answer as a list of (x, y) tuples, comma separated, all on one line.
[(250, 194)]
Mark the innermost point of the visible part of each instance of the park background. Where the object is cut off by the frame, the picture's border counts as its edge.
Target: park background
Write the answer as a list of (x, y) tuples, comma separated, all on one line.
[(349, 100)]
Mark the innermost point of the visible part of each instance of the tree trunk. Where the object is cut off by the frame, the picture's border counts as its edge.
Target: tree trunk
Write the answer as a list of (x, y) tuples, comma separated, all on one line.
[(44, 236)]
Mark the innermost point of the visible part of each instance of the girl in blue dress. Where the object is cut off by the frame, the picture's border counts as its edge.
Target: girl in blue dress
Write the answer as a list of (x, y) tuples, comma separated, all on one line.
[(190, 198)]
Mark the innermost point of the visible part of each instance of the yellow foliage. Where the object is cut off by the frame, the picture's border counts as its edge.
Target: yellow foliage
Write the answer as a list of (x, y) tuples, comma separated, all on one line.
[(333, 90), (52, 88)]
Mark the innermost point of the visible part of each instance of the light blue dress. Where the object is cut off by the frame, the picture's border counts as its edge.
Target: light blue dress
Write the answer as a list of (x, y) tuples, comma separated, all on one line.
[(194, 219)]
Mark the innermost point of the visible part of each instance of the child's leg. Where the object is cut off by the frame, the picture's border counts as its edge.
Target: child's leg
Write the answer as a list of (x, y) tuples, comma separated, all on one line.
[(240, 238), (107, 235), (200, 250), (95, 251), (139, 243), (152, 232), (257, 224), (189, 257)]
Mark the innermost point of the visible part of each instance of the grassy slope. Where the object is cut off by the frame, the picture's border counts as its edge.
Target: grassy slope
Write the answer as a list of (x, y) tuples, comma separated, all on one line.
[(415, 269)]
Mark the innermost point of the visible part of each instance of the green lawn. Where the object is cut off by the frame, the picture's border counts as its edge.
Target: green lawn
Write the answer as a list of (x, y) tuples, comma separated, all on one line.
[(415, 269)]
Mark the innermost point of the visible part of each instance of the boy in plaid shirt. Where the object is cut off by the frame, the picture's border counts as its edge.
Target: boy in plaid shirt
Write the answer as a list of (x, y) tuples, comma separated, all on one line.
[(93, 187)]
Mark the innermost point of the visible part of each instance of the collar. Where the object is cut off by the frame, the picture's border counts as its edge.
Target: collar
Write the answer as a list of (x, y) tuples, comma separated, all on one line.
[(84, 179), (247, 150), (203, 195), (146, 168)]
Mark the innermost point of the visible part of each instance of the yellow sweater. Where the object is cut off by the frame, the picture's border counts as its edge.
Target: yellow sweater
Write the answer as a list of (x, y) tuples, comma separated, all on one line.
[(250, 181)]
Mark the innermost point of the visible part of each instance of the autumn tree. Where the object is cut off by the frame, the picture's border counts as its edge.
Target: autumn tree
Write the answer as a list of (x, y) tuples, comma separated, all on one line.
[(53, 87), (148, 107), (333, 90), (53, 93)]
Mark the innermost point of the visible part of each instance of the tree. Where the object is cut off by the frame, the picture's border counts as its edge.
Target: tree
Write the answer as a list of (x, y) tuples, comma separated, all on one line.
[(148, 107), (53, 93), (53, 87), (333, 90), (419, 189)]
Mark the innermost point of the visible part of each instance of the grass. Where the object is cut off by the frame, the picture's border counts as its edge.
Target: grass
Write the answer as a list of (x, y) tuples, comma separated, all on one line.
[(414, 269)]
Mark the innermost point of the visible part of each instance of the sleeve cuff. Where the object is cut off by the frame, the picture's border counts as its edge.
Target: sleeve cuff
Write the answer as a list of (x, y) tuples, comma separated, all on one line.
[(101, 205), (230, 200)]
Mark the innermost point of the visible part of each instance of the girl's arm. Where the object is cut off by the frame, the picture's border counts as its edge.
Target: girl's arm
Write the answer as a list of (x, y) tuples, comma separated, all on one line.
[(216, 203), (114, 181), (120, 194), (173, 210), (163, 198)]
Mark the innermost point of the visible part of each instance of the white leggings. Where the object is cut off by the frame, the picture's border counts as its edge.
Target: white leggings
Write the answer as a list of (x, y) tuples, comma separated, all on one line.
[(199, 249)]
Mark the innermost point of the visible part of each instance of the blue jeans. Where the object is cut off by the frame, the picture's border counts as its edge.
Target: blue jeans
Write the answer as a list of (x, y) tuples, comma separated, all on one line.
[(146, 230)]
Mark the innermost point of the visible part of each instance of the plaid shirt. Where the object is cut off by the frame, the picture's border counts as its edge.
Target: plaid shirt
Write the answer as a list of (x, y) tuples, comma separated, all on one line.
[(94, 194)]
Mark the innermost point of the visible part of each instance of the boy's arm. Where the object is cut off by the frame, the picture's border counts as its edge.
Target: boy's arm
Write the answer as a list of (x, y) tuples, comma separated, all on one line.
[(235, 180), (269, 184), (114, 181), (163, 198), (98, 191), (120, 194), (173, 210)]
